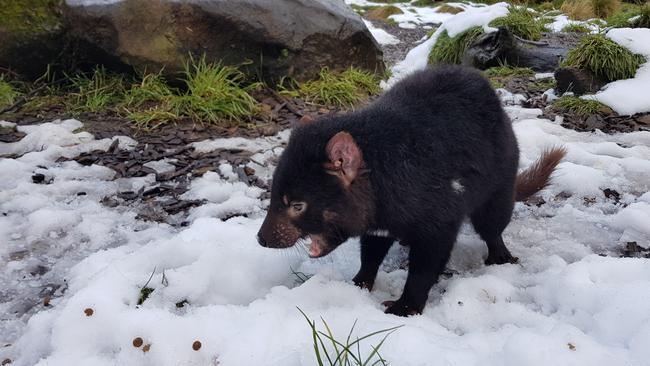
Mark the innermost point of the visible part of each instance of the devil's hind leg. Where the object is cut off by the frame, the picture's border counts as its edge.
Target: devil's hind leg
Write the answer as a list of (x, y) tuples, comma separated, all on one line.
[(489, 221)]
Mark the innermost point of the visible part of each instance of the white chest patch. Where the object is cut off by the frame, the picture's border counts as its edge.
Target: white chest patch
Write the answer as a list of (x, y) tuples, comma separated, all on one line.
[(456, 186), (379, 232)]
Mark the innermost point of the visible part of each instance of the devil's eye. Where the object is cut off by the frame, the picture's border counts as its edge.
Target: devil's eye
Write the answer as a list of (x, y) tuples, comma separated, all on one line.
[(298, 206)]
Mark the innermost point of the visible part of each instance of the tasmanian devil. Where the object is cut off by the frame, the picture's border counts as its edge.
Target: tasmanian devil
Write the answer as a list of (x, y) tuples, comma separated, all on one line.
[(435, 148)]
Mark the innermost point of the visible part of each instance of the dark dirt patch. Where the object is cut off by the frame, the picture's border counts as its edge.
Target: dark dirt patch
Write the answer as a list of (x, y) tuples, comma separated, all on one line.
[(409, 38), (633, 250), (608, 123)]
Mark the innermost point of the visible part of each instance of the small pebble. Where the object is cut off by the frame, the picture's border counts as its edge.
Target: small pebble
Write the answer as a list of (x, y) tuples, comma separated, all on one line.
[(196, 345), (89, 312), (146, 347), (6, 361), (137, 342)]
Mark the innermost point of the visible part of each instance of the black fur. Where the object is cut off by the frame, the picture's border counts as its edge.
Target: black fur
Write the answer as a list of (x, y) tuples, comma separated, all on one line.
[(437, 147)]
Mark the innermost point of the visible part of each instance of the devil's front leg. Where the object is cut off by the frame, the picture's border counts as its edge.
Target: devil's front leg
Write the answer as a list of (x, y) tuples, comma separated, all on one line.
[(373, 252), (429, 252)]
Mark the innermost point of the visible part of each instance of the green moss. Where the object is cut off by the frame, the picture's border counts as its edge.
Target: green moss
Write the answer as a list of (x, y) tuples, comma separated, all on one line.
[(575, 28), (430, 3), (30, 17), (449, 9), (346, 89), (509, 71), (382, 12), (500, 75), (580, 106), (521, 22), (449, 50), (604, 58)]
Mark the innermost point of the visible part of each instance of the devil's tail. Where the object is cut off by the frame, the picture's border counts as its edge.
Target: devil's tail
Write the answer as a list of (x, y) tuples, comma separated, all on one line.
[(537, 176)]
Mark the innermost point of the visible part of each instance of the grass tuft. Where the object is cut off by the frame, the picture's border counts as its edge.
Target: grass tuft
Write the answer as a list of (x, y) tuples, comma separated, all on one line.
[(575, 28), (521, 22), (151, 89), (579, 106), (96, 92), (8, 93), (348, 352), (509, 71), (499, 75), (604, 58), (449, 50), (346, 89), (215, 93)]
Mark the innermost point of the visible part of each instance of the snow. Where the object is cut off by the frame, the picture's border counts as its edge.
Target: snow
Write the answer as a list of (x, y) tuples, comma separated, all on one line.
[(629, 96), (381, 35), (560, 21), (417, 58)]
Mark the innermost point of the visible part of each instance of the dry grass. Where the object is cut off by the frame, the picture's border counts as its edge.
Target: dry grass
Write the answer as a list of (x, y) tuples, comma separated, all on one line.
[(605, 8), (578, 9), (587, 9), (382, 12)]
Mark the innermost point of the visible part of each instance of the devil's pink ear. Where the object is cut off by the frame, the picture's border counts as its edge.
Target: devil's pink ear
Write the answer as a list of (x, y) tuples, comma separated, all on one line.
[(305, 120), (345, 157)]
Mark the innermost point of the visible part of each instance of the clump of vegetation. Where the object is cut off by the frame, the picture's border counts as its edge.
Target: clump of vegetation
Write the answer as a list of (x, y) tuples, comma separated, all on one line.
[(631, 16), (509, 71), (499, 75), (521, 22), (605, 8), (445, 8), (579, 106), (604, 58), (345, 353), (382, 12), (390, 1), (576, 28), (345, 89), (97, 91), (425, 2), (448, 50), (214, 94), (8, 93), (587, 9)]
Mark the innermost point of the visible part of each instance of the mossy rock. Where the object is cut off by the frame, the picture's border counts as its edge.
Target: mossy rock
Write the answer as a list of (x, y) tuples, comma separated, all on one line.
[(606, 59), (268, 40), (31, 35)]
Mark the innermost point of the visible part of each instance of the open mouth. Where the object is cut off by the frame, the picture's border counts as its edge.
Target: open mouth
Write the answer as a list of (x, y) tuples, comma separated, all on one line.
[(318, 247)]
